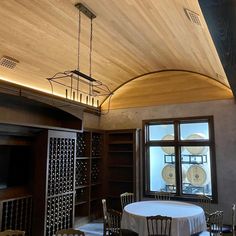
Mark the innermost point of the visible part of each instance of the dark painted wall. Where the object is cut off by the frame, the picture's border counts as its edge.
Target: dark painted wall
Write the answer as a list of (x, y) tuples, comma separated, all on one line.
[(220, 16)]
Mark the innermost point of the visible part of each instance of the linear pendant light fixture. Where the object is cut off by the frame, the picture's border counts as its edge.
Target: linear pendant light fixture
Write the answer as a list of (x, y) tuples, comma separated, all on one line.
[(75, 84)]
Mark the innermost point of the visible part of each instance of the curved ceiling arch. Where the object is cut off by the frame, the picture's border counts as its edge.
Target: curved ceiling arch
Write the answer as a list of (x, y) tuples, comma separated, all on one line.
[(129, 39), (167, 87)]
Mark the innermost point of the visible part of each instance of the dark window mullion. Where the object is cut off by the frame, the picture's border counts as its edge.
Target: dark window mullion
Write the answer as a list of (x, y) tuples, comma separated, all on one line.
[(195, 143), (177, 158), (161, 143), (147, 167)]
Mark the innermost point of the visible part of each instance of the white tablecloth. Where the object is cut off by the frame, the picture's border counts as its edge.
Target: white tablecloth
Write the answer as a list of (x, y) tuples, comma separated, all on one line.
[(187, 218)]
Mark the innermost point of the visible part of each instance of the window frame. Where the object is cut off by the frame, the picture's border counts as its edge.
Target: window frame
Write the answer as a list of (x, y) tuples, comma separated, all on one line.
[(177, 143)]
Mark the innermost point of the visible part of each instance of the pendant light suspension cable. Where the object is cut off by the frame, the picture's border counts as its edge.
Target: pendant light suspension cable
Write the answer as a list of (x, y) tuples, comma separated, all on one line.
[(85, 89), (90, 55), (78, 65)]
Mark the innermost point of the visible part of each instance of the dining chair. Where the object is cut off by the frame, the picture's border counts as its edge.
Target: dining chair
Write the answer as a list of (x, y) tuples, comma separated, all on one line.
[(126, 198), (105, 223), (233, 219), (229, 230), (159, 225), (162, 195), (205, 202), (69, 232), (215, 225), (10, 232), (114, 221)]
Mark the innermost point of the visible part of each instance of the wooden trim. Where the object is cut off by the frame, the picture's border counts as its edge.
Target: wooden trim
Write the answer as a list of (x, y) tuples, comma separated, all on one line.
[(49, 99), (22, 111), (166, 70)]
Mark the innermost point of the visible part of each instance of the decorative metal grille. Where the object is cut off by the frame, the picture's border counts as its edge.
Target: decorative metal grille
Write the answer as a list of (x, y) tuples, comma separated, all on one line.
[(60, 200), (16, 214), (61, 166), (59, 213)]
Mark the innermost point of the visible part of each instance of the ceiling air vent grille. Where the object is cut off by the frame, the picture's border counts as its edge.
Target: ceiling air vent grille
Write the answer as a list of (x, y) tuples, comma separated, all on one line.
[(193, 16), (8, 62)]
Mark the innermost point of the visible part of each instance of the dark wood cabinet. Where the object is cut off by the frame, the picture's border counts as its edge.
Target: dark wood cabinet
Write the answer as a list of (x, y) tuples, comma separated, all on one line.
[(122, 164), (16, 177)]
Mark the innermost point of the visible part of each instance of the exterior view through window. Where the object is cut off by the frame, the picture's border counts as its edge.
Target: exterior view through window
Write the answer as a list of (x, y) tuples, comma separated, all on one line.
[(179, 157)]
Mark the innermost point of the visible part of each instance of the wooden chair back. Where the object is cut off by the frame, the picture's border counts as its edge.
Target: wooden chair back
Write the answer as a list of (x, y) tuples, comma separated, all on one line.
[(216, 223), (12, 233), (104, 208), (69, 232), (233, 219), (113, 221), (105, 224), (159, 225), (165, 196), (205, 202), (126, 198)]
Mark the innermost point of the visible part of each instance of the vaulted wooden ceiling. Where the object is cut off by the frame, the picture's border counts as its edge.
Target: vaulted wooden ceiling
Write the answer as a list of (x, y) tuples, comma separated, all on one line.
[(148, 52)]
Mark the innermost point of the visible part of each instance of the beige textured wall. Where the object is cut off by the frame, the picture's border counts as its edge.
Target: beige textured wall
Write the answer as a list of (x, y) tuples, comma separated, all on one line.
[(91, 121), (224, 112)]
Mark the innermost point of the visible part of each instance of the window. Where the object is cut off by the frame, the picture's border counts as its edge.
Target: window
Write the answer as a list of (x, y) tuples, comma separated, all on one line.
[(179, 157)]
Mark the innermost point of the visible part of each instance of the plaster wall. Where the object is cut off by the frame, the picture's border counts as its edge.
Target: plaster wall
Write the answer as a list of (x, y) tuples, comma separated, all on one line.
[(224, 113), (91, 121)]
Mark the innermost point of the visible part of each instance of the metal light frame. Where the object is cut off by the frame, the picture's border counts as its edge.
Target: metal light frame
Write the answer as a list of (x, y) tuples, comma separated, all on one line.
[(95, 87)]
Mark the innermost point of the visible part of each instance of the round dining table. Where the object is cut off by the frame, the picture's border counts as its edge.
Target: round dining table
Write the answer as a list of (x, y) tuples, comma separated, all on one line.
[(187, 219)]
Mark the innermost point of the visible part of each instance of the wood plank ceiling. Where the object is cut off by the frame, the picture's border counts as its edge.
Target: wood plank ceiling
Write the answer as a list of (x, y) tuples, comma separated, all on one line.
[(131, 39)]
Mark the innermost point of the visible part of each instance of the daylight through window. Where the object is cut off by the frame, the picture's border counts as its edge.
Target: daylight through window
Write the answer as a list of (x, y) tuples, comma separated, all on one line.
[(179, 157)]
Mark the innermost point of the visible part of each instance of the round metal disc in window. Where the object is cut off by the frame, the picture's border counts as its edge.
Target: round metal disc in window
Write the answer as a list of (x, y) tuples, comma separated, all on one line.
[(196, 150), (197, 175), (168, 174), (168, 150)]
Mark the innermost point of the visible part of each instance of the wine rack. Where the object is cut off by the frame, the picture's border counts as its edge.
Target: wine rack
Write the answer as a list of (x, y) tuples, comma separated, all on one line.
[(82, 148), (16, 214), (61, 166), (60, 184), (55, 188), (81, 172), (59, 214), (81, 196), (95, 171), (96, 145), (88, 175)]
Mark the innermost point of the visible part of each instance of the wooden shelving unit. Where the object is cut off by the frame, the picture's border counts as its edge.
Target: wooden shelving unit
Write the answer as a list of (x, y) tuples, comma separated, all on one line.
[(122, 159), (16, 177), (89, 176)]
